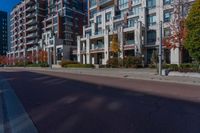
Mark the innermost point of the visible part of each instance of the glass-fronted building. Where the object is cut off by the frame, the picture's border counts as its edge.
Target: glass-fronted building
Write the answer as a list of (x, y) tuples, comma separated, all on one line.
[(3, 33)]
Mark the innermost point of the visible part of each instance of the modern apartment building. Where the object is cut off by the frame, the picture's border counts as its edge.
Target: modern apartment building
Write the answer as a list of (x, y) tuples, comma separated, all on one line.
[(50, 25), (3, 33), (26, 28), (63, 23), (137, 23)]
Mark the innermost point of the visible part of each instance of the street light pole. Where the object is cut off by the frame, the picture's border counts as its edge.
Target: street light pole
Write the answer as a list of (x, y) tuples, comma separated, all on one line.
[(160, 50)]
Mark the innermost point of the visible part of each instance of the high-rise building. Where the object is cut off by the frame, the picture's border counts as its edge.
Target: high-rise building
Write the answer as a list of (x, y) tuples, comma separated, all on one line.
[(50, 25), (136, 23), (3, 33), (63, 23), (26, 28)]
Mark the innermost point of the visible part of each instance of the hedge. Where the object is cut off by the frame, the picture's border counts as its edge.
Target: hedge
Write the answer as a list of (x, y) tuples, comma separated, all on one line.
[(80, 65), (127, 62), (64, 63)]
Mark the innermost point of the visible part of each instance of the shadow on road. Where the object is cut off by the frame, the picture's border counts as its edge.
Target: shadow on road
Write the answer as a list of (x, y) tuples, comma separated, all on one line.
[(60, 105)]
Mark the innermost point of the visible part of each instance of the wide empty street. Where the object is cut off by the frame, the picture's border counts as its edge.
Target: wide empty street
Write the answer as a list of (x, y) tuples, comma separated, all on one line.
[(56, 102)]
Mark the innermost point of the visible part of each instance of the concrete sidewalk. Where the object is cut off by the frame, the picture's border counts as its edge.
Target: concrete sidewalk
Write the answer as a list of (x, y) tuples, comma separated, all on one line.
[(144, 74)]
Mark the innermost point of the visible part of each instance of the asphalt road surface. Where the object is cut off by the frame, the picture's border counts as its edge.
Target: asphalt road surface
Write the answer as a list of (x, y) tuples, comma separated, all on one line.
[(69, 103)]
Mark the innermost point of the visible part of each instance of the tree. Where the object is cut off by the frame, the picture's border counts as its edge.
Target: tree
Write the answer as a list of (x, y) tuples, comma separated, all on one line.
[(177, 27), (42, 56), (192, 42), (115, 45), (154, 58)]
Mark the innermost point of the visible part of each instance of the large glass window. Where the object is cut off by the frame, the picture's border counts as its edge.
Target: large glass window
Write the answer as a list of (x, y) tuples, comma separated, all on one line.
[(136, 10), (92, 3), (152, 19), (167, 2), (132, 21), (151, 36), (92, 12), (167, 32), (108, 16), (167, 16), (151, 3), (136, 1), (123, 3), (99, 20)]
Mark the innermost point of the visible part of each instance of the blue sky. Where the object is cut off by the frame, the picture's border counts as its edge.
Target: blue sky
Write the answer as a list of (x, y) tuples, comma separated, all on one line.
[(7, 5)]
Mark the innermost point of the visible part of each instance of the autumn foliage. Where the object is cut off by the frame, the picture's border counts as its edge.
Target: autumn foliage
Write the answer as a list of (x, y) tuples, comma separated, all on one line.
[(3, 59), (176, 39), (177, 25), (42, 56), (30, 58), (115, 45)]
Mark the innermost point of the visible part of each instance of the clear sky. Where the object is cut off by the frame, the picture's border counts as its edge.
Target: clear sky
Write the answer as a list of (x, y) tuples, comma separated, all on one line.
[(7, 5)]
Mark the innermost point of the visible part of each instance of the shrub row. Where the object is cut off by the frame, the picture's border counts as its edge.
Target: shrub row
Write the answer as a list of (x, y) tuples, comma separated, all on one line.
[(69, 63), (186, 67), (65, 63), (127, 62), (80, 65), (21, 64)]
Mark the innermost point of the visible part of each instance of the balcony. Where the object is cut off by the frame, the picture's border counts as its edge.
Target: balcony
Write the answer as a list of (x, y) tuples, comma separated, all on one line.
[(32, 28), (130, 42), (104, 2), (30, 42), (129, 45), (117, 17), (87, 26), (95, 48), (30, 22), (32, 35), (30, 9), (30, 15)]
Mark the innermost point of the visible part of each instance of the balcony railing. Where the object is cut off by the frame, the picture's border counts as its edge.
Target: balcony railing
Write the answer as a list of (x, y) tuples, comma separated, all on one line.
[(32, 21), (30, 9), (130, 42), (31, 28), (31, 35), (102, 2), (30, 42), (97, 46), (29, 15), (117, 17)]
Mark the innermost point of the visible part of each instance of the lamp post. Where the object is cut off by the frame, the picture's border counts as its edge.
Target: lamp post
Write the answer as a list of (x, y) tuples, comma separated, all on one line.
[(160, 51)]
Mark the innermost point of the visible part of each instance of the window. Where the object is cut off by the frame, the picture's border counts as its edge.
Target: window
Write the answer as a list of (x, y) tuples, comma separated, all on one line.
[(92, 3), (167, 32), (99, 19), (151, 36), (152, 19), (55, 28), (151, 3), (165, 2), (68, 12), (55, 20), (136, 10), (108, 16), (99, 31), (123, 3), (136, 1), (132, 21), (108, 28), (167, 16), (92, 12)]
